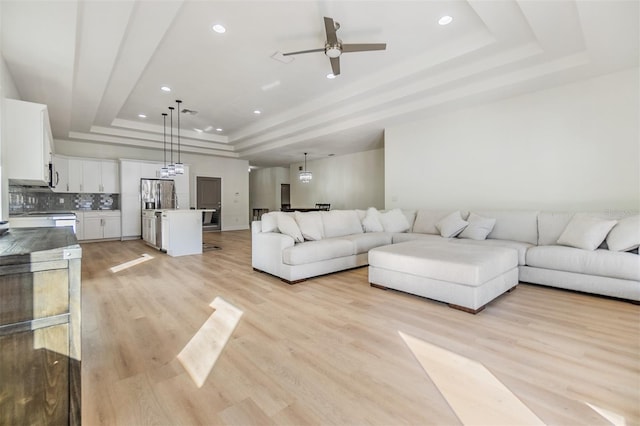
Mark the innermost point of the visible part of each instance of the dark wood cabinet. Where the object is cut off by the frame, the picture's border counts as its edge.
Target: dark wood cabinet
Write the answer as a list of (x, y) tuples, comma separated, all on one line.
[(40, 323)]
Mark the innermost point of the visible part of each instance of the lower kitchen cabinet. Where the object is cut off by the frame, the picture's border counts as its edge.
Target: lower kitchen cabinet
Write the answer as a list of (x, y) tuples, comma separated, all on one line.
[(40, 323), (99, 225)]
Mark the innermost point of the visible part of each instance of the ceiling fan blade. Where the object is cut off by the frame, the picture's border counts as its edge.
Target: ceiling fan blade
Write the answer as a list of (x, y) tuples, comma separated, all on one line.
[(330, 29), (304, 51), (335, 65), (363, 47)]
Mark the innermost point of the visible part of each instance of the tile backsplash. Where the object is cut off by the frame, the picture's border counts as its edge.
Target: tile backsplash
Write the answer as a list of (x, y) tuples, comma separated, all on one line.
[(24, 199)]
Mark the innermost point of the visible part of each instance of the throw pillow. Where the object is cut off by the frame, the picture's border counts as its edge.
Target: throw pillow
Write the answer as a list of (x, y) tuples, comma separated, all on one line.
[(479, 227), (371, 222), (310, 225), (451, 225), (585, 232), (288, 226), (625, 236), (269, 222), (394, 221)]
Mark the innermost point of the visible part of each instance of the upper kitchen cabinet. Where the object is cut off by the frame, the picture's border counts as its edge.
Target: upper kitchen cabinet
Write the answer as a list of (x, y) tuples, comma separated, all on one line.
[(27, 135), (84, 175), (100, 176)]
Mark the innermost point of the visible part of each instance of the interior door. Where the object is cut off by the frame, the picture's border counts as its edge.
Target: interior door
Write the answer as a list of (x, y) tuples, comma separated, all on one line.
[(209, 194)]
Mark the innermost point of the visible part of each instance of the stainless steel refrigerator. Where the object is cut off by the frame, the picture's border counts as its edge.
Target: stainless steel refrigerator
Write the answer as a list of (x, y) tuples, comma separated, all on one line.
[(158, 194)]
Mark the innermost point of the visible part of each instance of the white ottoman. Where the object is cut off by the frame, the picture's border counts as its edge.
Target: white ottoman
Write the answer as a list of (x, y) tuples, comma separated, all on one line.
[(465, 277)]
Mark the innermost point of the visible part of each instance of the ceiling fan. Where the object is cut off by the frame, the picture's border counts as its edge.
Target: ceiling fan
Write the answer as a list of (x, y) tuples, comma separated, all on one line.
[(333, 47)]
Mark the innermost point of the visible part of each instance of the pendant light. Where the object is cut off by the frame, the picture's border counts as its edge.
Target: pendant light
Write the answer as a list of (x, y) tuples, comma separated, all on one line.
[(172, 167), (305, 175), (179, 166), (164, 171)]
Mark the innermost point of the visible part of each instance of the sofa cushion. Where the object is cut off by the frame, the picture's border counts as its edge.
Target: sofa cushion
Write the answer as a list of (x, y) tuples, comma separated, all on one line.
[(269, 222), (401, 237), (514, 225), (340, 222), (310, 224), (287, 225), (585, 231), (479, 227), (551, 225), (426, 220), (410, 215), (362, 243), (316, 251), (603, 263), (625, 236), (519, 246), (371, 221), (394, 221), (451, 225)]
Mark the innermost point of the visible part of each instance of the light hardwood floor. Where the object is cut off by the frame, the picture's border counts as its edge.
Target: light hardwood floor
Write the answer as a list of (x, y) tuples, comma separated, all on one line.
[(328, 351)]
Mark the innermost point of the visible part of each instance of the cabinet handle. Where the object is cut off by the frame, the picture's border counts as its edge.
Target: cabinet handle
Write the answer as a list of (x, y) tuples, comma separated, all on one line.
[(67, 187)]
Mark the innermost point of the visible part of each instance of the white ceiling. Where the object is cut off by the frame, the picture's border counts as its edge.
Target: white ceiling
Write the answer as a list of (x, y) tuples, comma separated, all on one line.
[(98, 64)]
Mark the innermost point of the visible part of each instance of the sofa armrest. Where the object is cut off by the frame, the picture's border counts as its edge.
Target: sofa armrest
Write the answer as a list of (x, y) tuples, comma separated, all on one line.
[(266, 251), (256, 227)]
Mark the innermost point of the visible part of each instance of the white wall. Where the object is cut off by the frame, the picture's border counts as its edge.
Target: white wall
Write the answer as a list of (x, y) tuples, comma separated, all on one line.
[(234, 174), (352, 181), (264, 187), (574, 147)]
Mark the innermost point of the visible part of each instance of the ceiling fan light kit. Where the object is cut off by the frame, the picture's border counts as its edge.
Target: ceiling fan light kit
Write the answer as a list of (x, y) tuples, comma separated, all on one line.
[(334, 48)]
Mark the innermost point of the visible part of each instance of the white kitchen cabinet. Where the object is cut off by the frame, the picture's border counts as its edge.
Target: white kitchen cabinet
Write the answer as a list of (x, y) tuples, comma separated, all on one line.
[(28, 139), (109, 177), (79, 225), (75, 175), (100, 225), (91, 176), (60, 174)]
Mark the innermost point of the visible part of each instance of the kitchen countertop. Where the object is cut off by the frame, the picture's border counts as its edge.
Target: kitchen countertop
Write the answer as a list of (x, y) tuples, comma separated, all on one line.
[(19, 244)]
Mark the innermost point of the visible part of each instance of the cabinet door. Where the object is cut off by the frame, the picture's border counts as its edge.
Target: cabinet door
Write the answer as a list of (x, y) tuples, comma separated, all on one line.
[(109, 177), (91, 176), (24, 130), (75, 175), (130, 174), (131, 210), (79, 225), (93, 228), (111, 226), (60, 174)]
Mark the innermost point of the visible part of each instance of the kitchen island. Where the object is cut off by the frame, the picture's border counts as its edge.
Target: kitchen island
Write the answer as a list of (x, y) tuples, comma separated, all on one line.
[(40, 318), (177, 232)]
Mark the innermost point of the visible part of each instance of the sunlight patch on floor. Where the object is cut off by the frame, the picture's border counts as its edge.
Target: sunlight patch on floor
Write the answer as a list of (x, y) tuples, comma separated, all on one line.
[(615, 418), (131, 263), (475, 395), (201, 353)]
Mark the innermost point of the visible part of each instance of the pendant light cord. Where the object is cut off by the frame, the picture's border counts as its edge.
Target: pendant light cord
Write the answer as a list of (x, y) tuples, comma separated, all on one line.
[(171, 138), (178, 102), (164, 137)]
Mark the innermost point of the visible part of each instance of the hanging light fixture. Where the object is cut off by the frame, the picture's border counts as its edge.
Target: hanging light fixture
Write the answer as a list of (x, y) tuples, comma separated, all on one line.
[(179, 167), (172, 167), (164, 171), (305, 175)]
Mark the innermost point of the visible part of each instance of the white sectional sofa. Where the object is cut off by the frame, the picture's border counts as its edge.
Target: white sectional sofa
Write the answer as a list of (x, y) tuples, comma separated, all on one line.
[(297, 246)]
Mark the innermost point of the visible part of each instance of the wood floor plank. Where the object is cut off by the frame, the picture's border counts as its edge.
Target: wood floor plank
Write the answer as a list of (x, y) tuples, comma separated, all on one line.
[(327, 350)]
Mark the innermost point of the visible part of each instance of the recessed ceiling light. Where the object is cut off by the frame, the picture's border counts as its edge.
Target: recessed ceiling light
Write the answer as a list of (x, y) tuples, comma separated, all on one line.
[(218, 129), (197, 130), (142, 116), (257, 112), (219, 28), (445, 20), (330, 76), (165, 88)]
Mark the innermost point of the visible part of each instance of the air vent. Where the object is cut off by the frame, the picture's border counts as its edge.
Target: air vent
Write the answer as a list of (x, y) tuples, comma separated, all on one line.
[(189, 111)]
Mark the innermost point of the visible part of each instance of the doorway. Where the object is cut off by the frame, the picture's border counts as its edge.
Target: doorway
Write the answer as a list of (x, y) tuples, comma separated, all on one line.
[(285, 195), (209, 197)]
